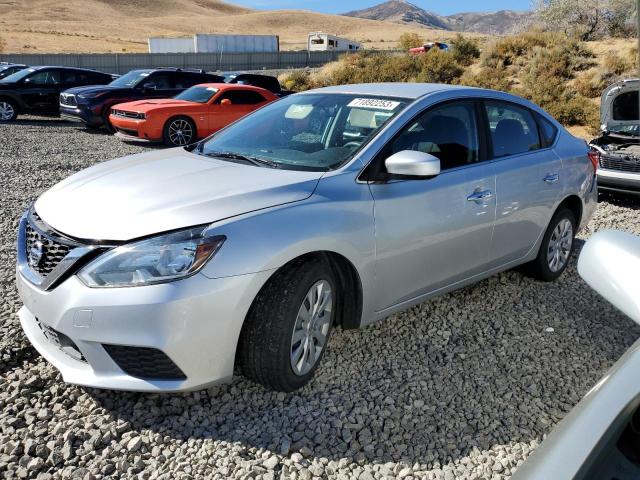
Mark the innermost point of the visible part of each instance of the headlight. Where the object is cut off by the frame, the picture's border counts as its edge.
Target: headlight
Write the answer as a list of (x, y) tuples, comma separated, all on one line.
[(91, 95), (160, 259)]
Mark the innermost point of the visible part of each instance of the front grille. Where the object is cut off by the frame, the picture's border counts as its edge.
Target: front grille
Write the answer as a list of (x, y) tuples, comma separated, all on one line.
[(125, 114), (43, 253), (144, 362), (68, 100), (61, 341), (620, 163)]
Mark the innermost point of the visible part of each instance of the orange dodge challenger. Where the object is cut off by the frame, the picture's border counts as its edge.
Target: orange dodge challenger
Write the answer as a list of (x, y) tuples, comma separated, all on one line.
[(196, 113)]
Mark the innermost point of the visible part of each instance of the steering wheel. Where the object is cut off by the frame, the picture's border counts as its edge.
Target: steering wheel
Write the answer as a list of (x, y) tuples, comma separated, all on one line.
[(352, 144)]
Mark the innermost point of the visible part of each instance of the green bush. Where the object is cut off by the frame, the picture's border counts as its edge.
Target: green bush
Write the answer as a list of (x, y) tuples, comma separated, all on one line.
[(486, 77), (437, 66), (409, 40), (464, 50), (297, 80)]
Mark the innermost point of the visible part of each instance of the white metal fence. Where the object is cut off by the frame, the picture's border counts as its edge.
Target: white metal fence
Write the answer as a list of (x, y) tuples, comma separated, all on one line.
[(123, 62)]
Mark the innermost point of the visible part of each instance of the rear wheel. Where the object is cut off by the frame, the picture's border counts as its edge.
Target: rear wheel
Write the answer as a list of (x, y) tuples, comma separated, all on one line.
[(288, 327), (556, 248), (178, 132), (8, 110)]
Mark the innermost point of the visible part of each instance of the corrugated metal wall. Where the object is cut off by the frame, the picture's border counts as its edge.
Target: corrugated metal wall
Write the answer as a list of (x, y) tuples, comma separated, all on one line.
[(123, 62)]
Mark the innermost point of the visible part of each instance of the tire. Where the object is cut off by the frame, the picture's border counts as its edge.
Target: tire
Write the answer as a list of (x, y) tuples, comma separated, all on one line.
[(273, 338), (179, 132), (8, 110), (106, 123), (555, 245)]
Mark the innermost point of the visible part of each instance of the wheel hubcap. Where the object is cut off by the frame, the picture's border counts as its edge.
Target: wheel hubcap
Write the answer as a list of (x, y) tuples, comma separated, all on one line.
[(180, 132), (311, 328), (6, 111), (560, 245)]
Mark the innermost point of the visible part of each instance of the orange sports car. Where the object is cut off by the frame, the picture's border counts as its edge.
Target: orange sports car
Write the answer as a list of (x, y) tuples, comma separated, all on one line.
[(196, 113)]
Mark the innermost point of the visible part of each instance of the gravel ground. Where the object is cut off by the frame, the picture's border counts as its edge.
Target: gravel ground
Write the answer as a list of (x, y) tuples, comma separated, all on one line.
[(464, 386)]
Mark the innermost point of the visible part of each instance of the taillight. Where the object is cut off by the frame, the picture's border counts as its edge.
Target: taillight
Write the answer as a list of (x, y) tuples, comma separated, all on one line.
[(594, 156)]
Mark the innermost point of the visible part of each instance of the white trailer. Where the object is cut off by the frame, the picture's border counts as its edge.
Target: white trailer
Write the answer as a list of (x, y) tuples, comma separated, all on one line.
[(323, 42), (171, 45), (215, 43)]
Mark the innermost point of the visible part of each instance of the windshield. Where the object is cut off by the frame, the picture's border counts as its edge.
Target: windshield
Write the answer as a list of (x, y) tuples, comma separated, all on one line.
[(130, 79), (625, 109), (16, 77), (306, 131), (197, 94)]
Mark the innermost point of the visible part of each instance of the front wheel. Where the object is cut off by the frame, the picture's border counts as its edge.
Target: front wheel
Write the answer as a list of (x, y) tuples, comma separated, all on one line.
[(287, 329), (8, 111), (179, 132), (556, 248)]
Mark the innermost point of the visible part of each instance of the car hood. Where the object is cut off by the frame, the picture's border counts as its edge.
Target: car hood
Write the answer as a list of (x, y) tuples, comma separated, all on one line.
[(607, 121), (92, 89), (148, 105), (154, 192)]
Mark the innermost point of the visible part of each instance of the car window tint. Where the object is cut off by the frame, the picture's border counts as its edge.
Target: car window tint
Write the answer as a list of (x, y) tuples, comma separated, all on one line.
[(513, 129), (186, 80), (242, 97), (548, 131), (448, 132), (161, 80), (45, 77)]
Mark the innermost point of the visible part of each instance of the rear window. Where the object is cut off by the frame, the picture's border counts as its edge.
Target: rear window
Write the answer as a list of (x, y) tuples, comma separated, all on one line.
[(625, 107)]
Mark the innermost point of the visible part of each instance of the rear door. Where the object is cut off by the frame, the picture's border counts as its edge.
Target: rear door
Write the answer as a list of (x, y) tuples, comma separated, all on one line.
[(41, 90), (161, 84), (432, 233), (528, 180)]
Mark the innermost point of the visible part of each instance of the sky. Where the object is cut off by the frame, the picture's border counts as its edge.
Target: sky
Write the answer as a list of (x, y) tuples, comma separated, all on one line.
[(340, 6)]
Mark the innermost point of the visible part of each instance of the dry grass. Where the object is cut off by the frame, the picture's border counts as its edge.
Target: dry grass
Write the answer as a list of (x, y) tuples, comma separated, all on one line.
[(37, 26)]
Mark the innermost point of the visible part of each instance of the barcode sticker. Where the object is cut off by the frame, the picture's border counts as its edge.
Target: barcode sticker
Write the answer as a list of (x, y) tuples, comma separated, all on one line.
[(374, 103)]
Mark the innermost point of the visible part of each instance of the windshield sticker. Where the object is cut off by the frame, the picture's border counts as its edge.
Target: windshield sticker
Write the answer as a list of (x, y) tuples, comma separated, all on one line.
[(298, 112), (375, 103)]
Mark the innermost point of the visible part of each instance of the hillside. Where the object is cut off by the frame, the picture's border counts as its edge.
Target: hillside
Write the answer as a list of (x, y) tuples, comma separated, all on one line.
[(503, 22), (37, 26)]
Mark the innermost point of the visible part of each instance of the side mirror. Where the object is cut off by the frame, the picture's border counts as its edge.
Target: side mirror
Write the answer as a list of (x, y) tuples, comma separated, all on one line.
[(609, 263), (225, 102), (411, 163), (149, 86)]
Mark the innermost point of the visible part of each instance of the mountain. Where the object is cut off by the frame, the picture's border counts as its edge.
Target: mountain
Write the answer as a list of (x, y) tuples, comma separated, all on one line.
[(401, 11), (52, 26)]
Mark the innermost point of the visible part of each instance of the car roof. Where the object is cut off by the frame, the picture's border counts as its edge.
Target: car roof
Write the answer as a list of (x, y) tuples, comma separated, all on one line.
[(232, 86), (63, 67), (391, 89)]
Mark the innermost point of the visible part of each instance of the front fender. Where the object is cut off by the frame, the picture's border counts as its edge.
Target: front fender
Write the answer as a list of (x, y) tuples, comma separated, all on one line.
[(337, 218)]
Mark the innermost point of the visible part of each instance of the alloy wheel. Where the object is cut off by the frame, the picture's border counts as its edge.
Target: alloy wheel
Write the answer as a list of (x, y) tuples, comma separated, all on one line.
[(6, 111), (180, 132), (560, 244), (311, 328)]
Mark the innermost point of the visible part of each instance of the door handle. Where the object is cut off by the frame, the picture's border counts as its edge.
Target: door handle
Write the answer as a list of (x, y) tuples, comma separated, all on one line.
[(551, 178), (480, 195)]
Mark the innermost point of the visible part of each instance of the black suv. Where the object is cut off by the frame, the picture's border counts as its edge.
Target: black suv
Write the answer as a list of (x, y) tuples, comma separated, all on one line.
[(267, 82), (36, 90), (92, 105), (7, 69)]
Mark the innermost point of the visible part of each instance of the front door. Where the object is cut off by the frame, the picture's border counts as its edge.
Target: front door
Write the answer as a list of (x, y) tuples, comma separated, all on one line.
[(435, 232), (41, 90)]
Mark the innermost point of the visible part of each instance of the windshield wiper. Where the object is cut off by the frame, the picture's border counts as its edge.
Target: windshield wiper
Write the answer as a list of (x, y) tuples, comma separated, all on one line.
[(261, 162)]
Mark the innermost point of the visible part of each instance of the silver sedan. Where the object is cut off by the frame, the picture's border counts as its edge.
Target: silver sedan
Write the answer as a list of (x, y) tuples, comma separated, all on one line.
[(339, 206)]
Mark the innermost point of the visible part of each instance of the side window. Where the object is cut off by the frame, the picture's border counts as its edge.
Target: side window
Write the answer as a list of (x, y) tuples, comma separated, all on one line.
[(186, 80), (161, 80), (548, 131), (45, 77), (513, 129), (448, 132), (242, 97)]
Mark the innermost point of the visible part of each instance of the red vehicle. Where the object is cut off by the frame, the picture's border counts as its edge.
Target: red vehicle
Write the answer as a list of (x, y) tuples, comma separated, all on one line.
[(196, 113), (428, 46)]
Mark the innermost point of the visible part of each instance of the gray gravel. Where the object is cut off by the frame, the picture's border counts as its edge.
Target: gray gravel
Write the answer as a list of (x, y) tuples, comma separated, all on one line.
[(464, 386)]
